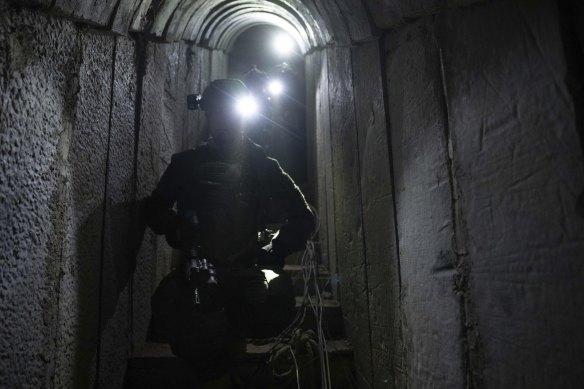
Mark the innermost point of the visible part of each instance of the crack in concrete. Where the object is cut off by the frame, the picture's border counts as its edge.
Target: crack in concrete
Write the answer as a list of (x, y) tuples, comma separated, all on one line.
[(104, 218), (62, 193), (362, 232), (141, 46), (401, 325), (473, 353)]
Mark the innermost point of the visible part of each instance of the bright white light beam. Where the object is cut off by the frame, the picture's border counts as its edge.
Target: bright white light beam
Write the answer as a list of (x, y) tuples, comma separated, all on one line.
[(247, 106), (275, 87), (283, 44)]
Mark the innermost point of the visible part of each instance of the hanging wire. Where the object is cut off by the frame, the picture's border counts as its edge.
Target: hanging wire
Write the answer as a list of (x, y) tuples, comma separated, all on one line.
[(309, 267), (296, 366)]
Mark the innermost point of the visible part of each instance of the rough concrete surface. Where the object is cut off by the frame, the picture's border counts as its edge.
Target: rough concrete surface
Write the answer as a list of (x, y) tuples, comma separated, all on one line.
[(80, 286), (354, 293), (310, 122), (151, 138), (71, 303), (29, 3), (390, 14), (139, 21), (382, 267), (318, 23), (123, 17), (519, 168), (122, 230), (355, 16), (317, 74), (466, 273), (432, 328), (35, 115), (96, 12), (330, 13), (487, 171)]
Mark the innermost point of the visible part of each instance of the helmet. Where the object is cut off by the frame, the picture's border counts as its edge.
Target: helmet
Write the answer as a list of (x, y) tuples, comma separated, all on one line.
[(222, 93)]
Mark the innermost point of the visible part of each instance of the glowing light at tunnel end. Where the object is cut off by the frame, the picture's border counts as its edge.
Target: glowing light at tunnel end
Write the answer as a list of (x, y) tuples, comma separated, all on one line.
[(283, 44)]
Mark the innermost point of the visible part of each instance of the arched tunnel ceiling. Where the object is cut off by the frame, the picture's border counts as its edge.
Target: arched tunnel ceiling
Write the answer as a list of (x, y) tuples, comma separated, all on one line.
[(225, 20), (216, 23), (226, 37)]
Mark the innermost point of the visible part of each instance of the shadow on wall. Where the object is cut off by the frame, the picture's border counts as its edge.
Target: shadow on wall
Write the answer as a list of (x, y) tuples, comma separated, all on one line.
[(571, 13), (107, 249)]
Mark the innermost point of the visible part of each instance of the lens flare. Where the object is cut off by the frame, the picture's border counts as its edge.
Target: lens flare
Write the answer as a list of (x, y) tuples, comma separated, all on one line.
[(247, 106), (275, 87), (283, 44)]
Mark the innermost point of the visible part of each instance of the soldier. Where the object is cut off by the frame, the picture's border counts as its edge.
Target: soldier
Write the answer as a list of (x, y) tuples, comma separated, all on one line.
[(224, 190)]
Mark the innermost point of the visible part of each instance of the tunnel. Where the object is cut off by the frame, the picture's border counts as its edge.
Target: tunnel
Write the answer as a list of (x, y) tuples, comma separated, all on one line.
[(443, 152)]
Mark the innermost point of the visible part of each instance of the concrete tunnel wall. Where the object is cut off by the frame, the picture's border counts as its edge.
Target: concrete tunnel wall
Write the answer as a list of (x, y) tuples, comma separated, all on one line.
[(89, 120), (448, 168), (459, 247), (492, 182)]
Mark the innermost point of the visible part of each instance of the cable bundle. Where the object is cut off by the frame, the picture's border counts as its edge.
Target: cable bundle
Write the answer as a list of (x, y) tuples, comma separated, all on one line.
[(310, 271), (309, 267)]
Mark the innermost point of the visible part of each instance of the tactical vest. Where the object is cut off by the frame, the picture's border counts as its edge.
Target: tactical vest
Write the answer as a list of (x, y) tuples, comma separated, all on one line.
[(226, 196)]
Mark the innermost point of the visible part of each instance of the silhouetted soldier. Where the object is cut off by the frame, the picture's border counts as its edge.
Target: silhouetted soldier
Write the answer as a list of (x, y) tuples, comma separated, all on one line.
[(224, 190)]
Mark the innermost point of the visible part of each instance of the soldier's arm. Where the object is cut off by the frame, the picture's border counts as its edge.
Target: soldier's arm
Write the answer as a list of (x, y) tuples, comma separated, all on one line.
[(299, 224)]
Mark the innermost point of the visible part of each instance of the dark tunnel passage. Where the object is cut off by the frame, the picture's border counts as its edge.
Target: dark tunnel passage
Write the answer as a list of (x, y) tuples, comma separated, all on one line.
[(439, 141)]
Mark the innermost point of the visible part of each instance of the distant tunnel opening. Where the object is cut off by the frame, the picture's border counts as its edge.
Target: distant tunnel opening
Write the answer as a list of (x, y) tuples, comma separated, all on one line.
[(277, 82)]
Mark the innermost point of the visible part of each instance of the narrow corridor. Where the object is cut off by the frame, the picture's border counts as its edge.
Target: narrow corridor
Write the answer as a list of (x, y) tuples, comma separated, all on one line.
[(443, 150)]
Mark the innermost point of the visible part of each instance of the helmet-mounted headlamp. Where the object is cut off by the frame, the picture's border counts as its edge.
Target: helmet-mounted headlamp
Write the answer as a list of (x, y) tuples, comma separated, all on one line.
[(224, 95)]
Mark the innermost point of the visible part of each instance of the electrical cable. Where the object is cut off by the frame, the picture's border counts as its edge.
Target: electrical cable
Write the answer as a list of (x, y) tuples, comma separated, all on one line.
[(296, 366), (309, 268)]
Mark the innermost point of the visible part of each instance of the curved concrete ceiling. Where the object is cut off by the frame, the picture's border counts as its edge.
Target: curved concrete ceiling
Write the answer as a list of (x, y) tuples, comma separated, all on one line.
[(224, 24), (217, 23)]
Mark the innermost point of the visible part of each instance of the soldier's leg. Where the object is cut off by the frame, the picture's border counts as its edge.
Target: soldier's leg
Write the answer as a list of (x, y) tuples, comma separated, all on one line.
[(204, 339), (267, 305)]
